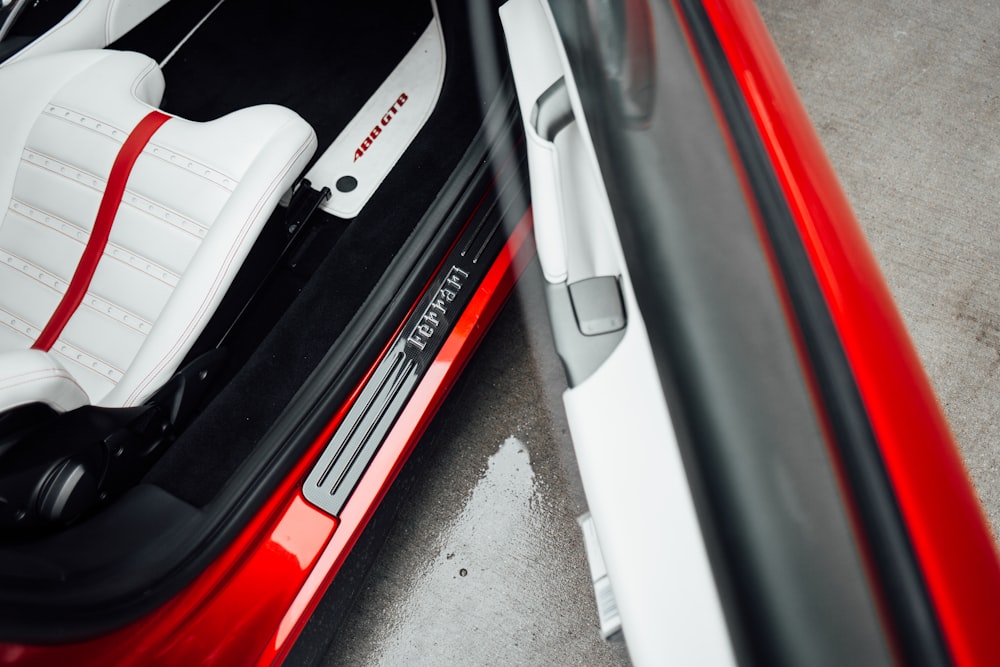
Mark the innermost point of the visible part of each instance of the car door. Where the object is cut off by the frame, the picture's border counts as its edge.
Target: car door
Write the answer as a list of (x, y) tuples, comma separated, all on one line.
[(769, 476)]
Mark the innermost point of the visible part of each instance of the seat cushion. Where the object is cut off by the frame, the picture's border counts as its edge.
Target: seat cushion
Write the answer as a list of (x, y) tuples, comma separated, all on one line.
[(29, 375), (194, 203)]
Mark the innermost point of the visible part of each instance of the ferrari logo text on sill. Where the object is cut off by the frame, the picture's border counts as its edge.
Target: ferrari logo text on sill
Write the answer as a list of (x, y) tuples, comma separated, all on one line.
[(438, 308)]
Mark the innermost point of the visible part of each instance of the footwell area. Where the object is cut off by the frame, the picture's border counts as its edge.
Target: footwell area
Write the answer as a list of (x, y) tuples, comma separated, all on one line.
[(332, 65), (322, 59)]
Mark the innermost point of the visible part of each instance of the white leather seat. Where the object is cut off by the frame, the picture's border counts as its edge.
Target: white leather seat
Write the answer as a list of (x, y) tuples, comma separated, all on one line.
[(194, 203)]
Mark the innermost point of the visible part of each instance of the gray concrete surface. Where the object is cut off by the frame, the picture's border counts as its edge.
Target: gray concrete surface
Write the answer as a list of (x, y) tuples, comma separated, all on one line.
[(484, 564), (905, 95)]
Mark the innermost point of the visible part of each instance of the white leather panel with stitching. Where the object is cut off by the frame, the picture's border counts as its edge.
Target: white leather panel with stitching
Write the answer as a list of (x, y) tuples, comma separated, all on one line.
[(195, 201)]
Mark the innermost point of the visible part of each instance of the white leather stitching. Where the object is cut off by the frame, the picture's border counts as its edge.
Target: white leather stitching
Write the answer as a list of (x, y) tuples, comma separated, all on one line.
[(115, 312), (28, 212), (17, 324), (178, 159), (87, 361), (164, 214), (152, 149), (52, 164), (114, 250), (40, 375), (69, 172), (139, 263), (81, 120), (33, 271), (99, 305)]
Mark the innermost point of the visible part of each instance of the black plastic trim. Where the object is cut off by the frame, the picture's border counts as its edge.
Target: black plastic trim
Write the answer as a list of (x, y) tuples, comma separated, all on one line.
[(917, 633)]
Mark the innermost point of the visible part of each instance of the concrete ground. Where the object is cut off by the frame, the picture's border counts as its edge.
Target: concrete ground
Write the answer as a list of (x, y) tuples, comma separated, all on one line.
[(905, 95), (484, 562)]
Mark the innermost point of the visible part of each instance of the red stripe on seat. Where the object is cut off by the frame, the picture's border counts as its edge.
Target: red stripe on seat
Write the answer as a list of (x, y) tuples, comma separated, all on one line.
[(106, 213)]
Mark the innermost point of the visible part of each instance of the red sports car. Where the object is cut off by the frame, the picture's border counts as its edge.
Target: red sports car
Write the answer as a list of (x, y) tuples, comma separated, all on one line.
[(249, 246)]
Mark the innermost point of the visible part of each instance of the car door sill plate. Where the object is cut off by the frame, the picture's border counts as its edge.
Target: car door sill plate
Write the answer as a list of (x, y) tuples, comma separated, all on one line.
[(607, 607), (364, 153), (359, 436)]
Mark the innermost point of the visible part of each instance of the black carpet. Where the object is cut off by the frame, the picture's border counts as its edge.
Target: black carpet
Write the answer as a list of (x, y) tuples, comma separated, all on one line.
[(320, 58), (209, 452)]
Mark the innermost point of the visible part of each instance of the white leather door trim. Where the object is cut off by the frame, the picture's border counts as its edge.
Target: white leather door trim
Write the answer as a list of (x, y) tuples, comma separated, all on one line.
[(622, 432)]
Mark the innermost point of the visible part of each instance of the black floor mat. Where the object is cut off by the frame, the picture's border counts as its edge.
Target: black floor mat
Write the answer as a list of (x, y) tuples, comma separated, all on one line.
[(320, 58), (209, 452), (160, 33)]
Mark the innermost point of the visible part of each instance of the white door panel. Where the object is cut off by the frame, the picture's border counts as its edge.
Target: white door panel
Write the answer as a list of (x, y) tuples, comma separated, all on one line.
[(622, 433)]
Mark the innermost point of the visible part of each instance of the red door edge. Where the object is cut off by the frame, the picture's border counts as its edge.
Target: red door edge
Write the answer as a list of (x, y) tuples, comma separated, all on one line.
[(399, 443), (948, 529)]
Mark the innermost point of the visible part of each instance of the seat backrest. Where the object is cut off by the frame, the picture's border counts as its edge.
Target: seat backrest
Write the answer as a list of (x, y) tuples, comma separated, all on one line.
[(194, 203)]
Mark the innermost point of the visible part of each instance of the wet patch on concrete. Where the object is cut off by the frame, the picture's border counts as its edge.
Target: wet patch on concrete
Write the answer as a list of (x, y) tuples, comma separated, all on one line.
[(484, 571), (484, 563)]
